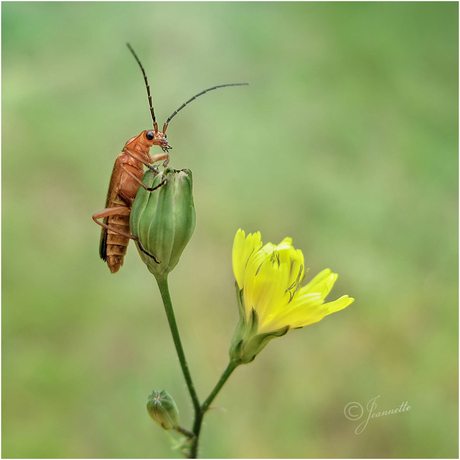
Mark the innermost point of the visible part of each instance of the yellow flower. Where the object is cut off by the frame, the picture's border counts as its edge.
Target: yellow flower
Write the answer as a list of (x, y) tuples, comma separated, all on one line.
[(271, 299)]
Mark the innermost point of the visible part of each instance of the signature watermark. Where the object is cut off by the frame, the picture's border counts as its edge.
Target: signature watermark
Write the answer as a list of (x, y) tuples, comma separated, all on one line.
[(354, 411)]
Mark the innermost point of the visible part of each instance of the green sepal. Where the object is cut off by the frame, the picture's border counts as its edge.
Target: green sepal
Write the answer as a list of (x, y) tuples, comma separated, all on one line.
[(239, 297), (260, 341), (246, 343)]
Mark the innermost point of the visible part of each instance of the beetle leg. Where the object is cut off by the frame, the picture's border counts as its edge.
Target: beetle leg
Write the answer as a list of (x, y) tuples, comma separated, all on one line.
[(154, 159), (120, 210), (147, 252), (160, 157), (132, 155), (115, 211), (149, 189)]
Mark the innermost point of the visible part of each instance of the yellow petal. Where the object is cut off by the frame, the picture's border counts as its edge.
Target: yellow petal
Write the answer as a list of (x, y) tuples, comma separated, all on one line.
[(243, 247), (313, 312), (322, 283), (269, 289)]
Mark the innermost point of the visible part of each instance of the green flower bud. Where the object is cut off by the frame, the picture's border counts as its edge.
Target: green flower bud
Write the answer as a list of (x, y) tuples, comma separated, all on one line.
[(162, 408), (164, 219)]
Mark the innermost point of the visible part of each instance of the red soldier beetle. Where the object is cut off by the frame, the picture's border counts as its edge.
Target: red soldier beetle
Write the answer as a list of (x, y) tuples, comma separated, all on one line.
[(127, 178)]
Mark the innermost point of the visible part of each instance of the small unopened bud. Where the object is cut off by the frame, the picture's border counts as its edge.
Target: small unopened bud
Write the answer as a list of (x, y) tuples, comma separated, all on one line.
[(163, 410), (164, 219)]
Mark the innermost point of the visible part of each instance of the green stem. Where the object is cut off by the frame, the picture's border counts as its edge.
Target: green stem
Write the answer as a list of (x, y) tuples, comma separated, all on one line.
[(205, 406), (230, 368), (185, 432), (164, 290), (200, 410)]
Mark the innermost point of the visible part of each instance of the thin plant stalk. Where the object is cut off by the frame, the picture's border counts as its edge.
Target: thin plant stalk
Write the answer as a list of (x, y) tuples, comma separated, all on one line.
[(200, 409), (205, 406), (164, 290)]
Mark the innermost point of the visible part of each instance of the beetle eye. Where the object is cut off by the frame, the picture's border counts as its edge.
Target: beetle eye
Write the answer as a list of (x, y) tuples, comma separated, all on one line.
[(149, 135)]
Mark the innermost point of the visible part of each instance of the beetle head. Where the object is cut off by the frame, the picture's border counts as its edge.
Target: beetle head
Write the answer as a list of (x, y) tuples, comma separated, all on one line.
[(154, 137)]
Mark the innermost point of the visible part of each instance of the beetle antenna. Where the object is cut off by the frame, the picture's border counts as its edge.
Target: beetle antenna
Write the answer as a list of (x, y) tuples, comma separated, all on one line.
[(147, 86), (194, 97)]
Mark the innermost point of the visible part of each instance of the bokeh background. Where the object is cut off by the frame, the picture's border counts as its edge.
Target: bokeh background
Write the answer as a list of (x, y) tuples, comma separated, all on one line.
[(345, 140)]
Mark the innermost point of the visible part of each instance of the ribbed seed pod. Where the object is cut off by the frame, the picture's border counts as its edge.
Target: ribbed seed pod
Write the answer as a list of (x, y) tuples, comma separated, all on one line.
[(164, 219)]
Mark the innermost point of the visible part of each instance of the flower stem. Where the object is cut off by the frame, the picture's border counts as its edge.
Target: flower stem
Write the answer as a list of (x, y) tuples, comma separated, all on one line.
[(164, 290), (230, 368), (205, 406), (200, 409)]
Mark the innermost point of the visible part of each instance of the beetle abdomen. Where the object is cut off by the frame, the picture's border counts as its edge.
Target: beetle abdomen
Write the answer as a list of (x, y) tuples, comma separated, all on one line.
[(116, 243)]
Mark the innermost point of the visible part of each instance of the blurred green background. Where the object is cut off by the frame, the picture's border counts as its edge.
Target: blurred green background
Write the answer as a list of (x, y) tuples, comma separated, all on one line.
[(346, 140)]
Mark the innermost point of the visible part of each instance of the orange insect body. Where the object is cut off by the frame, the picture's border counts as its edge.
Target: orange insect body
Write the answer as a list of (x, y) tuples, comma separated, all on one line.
[(125, 181), (127, 178)]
